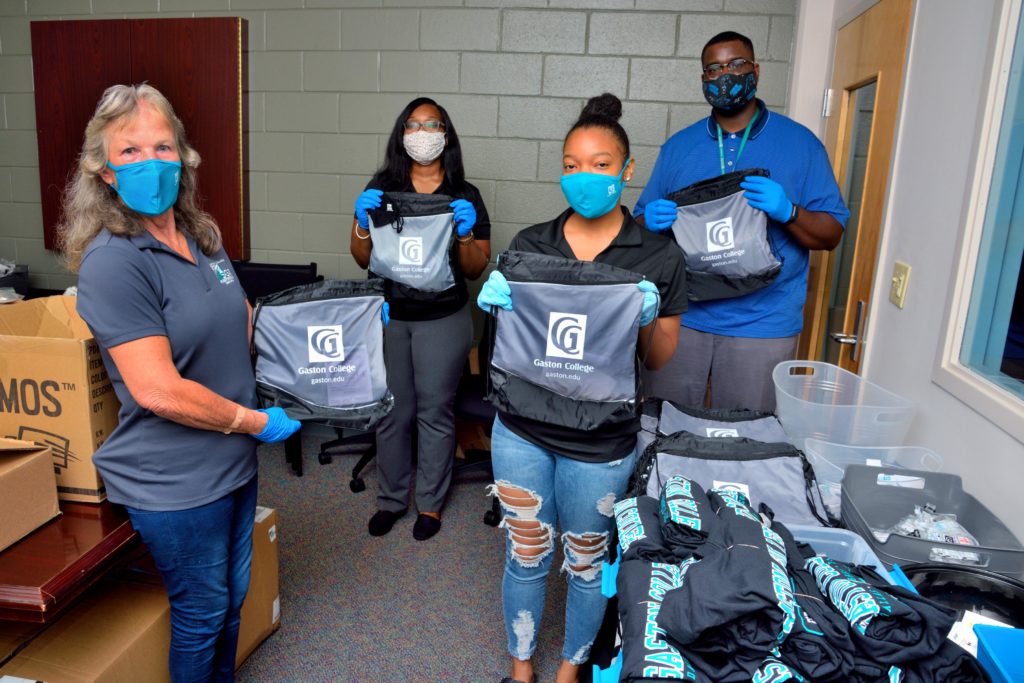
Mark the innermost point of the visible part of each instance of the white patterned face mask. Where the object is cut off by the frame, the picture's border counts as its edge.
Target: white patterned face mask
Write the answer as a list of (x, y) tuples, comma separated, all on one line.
[(423, 146)]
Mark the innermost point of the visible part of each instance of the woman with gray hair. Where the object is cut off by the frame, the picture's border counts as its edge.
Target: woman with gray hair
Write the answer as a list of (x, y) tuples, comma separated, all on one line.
[(159, 294)]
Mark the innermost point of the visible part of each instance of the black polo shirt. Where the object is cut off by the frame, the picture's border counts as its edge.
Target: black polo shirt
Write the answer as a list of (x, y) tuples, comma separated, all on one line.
[(654, 256), (454, 298)]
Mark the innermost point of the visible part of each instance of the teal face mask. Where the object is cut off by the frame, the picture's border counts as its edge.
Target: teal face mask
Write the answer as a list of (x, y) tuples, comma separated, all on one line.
[(593, 194), (149, 187)]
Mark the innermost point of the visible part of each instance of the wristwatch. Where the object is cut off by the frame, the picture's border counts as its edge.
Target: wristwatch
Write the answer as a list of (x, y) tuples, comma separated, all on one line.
[(793, 215)]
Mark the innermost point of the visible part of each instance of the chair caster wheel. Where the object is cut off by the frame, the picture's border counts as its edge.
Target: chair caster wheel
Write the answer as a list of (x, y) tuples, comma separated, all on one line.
[(491, 518), (325, 458), (357, 485)]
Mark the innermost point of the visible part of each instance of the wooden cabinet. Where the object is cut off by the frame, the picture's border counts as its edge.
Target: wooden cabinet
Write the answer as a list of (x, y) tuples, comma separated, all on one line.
[(199, 64)]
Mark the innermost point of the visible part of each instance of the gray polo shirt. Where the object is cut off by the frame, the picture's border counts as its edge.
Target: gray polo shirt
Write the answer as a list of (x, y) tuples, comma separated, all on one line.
[(129, 288)]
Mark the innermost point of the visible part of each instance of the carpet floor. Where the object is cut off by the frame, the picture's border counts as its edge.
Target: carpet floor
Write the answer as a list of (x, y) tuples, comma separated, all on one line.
[(355, 608)]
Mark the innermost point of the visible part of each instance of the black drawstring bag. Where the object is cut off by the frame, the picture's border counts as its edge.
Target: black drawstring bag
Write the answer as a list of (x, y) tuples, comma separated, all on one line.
[(320, 353), (724, 240), (566, 352)]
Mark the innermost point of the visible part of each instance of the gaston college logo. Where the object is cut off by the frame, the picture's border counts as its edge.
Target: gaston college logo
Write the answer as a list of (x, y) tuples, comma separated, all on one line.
[(410, 251), (325, 343), (720, 235), (567, 334)]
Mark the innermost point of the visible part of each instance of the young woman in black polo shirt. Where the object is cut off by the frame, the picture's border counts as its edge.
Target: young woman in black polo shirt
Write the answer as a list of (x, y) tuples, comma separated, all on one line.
[(427, 340), (547, 475)]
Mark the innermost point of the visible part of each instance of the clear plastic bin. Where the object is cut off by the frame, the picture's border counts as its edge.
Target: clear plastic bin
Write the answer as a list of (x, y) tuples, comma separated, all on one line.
[(830, 461), (840, 544), (823, 401), (870, 503)]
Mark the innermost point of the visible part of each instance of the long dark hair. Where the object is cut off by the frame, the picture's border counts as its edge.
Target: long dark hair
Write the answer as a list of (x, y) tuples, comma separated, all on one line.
[(395, 171)]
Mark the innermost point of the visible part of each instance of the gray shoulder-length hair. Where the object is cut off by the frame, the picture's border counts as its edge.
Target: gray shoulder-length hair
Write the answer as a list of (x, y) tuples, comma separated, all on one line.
[(90, 204)]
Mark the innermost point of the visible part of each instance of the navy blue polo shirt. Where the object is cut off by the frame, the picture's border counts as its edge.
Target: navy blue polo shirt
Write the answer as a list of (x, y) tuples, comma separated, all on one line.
[(135, 287), (798, 161)]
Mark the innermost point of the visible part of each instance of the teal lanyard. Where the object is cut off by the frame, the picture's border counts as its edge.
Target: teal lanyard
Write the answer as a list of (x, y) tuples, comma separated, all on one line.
[(743, 142)]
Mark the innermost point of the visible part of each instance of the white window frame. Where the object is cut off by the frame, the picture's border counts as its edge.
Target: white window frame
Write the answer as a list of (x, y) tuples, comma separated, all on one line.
[(1001, 407)]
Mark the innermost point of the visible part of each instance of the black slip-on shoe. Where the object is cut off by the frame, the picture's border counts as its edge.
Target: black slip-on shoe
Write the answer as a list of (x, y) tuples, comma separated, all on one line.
[(425, 527), (383, 520), (512, 680)]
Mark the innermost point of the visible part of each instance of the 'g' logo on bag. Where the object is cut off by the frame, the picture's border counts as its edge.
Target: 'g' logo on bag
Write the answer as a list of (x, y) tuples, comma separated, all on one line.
[(720, 235), (718, 432), (410, 251), (325, 343), (567, 334)]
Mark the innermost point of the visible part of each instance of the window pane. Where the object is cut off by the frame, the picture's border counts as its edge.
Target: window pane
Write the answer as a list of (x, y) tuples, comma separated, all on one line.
[(994, 336)]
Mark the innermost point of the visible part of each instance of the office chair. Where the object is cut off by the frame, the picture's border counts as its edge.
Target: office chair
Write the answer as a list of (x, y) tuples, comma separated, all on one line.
[(470, 406), (261, 279)]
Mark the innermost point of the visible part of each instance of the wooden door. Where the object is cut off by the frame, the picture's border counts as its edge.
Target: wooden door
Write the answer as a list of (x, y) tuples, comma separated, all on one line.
[(867, 79), (199, 64)]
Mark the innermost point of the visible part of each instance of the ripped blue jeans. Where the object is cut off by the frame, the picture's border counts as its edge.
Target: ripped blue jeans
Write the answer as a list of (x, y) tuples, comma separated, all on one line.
[(540, 490)]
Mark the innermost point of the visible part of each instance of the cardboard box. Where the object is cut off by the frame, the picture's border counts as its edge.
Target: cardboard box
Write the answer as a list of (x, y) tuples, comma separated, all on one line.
[(28, 490), (261, 612), (119, 632), (55, 391)]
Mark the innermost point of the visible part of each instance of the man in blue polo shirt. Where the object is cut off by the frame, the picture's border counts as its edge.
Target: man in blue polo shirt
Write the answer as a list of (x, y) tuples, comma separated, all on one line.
[(736, 342)]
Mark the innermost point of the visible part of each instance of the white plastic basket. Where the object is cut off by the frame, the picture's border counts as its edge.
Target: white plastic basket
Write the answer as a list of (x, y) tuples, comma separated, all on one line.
[(830, 461), (823, 401)]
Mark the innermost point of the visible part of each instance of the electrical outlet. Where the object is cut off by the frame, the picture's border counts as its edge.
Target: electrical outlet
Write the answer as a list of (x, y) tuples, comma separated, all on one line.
[(898, 283)]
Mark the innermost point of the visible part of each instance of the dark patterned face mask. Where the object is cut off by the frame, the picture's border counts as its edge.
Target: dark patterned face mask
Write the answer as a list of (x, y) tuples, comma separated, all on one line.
[(730, 91)]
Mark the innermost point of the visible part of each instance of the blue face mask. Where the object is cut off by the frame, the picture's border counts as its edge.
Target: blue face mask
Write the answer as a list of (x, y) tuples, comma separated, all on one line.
[(593, 194), (730, 91), (149, 187)]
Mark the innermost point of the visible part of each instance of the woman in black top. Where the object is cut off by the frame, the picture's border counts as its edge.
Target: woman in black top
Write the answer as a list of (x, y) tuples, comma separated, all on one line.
[(547, 474), (428, 338)]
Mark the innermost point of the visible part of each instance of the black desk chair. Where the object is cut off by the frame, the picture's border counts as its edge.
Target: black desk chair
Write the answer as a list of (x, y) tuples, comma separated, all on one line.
[(470, 406), (261, 279)]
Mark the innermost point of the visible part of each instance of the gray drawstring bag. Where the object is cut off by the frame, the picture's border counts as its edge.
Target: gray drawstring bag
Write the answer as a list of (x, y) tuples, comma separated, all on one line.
[(566, 352), (320, 353), (412, 238), (771, 472), (724, 240), (659, 417)]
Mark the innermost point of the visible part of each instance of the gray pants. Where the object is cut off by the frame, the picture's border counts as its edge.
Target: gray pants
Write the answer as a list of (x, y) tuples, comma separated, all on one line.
[(425, 360), (739, 369)]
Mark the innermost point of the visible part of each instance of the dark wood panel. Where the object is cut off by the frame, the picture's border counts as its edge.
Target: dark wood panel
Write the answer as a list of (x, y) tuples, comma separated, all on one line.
[(41, 574), (73, 62), (198, 65)]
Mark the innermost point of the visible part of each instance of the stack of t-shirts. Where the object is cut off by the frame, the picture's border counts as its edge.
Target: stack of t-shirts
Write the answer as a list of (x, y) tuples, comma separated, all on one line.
[(709, 590)]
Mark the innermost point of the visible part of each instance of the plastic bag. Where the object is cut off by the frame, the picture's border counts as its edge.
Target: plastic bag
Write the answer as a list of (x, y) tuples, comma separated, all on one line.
[(929, 525)]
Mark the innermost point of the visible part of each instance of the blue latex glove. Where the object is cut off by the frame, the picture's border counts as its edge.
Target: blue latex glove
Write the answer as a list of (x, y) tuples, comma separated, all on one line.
[(767, 195), (652, 300), (279, 426), (495, 292), (659, 215), (369, 199), (465, 216), (385, 314)]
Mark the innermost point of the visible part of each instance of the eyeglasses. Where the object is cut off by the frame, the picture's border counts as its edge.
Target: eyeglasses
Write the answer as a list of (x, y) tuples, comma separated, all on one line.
[(713, 71), (431, 126)]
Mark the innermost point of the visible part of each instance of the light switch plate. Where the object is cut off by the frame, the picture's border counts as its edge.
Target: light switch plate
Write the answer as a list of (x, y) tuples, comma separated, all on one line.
[(898, 283)]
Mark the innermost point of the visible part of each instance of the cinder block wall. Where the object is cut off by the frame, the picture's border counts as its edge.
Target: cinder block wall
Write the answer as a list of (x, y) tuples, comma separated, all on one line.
[(328, 77)]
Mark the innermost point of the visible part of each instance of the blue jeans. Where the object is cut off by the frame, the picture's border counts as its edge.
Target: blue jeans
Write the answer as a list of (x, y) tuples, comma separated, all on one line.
[(538, 488), (204, 555)]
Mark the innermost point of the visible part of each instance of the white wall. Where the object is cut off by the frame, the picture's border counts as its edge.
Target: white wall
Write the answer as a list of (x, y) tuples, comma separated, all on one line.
[(933, 167)]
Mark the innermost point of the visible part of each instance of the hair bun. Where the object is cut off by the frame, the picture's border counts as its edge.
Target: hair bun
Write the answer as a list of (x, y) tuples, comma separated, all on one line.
[(605, 105)]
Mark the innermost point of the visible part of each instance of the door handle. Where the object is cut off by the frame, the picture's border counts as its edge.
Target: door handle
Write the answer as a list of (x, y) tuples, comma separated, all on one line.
[(852, 339)]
